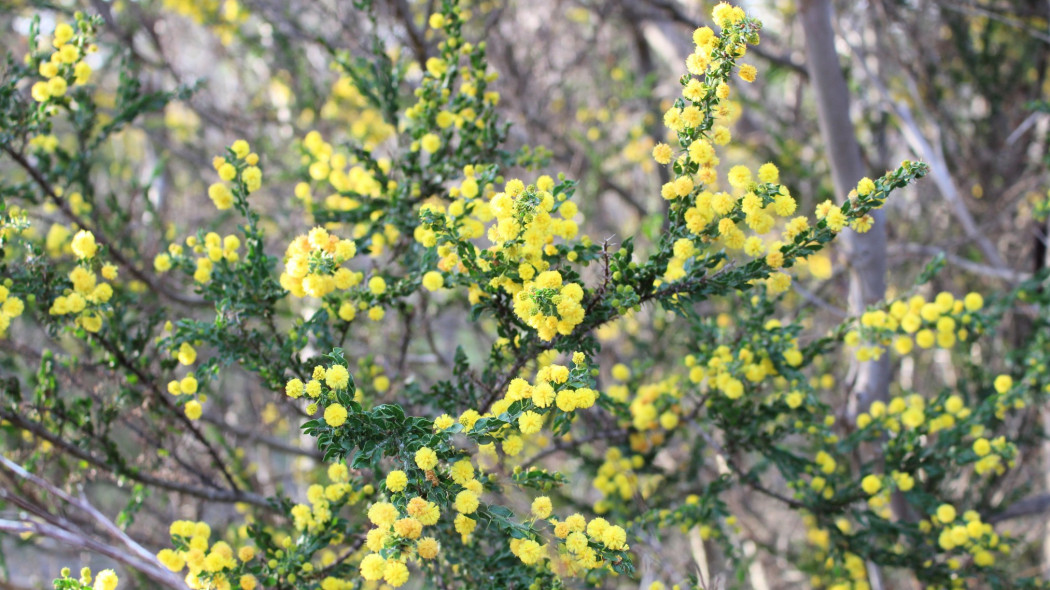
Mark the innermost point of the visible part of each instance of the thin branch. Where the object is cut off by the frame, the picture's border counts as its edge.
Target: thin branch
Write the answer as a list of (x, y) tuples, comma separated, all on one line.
[(102, 239), (131, 553), (214, 495)]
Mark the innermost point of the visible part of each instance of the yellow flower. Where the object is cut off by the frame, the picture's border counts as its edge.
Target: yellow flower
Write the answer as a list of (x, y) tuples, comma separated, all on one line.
[(662, 153), (433, 280), (430, 143), (252, 177), (56, 86), (40, 91), (982, 447), (395, 573), (221, 196), (396, 481), (376, 285), (466, 502), (82, 73), (335, 415), (748, 72), (171, 560), (871, 484), (529, 551), (188, 385), (193, 409), (337, 377), (84, 245), (372, 566), (241, 148), (541, 507), (427, 548), (227, 172), (186, 355), (63, 34), (105, 580), (865, 186), (530, 422), (426, 458), (614, 538), (1003, 383)]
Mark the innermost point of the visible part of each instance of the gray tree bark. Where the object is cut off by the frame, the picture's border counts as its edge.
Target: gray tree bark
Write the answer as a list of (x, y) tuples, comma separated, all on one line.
[(865, 252)]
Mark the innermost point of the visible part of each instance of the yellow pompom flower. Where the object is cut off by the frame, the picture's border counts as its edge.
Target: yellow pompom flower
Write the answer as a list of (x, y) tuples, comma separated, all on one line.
[(396, 481), (227, 172), (105, 580), (768, 173), (372, 566), (871, 484), (337, 377), (430, 143), (57, 86), (1003, 383), (171, 560), (193, 409), (221, 196), (973, 301), (427, 548), (614, 537), (376, 285), (294, 388), (433, 280), (466, 502), (40, 92), (865, 186), (252, 177), (426, 458), (662, 153), (63, 34), (84, 245), (335, 415), (530, 422), (188, 385), (541, 507), (241, 148), (395, 573), (748, 72), (186, 355), (529, 552)]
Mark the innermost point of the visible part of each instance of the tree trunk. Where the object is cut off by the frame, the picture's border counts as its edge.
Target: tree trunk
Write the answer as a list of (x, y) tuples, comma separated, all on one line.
[(866, 253)]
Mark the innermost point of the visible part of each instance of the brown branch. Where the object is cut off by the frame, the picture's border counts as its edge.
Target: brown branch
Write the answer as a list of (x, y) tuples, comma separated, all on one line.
[(128, 552), (214, 495), (1027, 507), (166, 401), (102, 239)]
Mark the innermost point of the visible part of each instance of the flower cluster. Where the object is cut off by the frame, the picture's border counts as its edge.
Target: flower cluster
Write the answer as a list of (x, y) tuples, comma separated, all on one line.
[(313, 265), (65, 66), (88, 298), (242, 169), (916, 322), (208, 563), (10, 308), (104, 580)]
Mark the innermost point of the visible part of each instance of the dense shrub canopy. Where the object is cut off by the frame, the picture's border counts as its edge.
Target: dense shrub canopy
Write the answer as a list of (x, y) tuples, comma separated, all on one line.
[(325, 320)]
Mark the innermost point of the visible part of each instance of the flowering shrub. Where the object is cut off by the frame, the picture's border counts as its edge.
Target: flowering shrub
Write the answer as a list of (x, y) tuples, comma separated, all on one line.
[(446, 474)]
